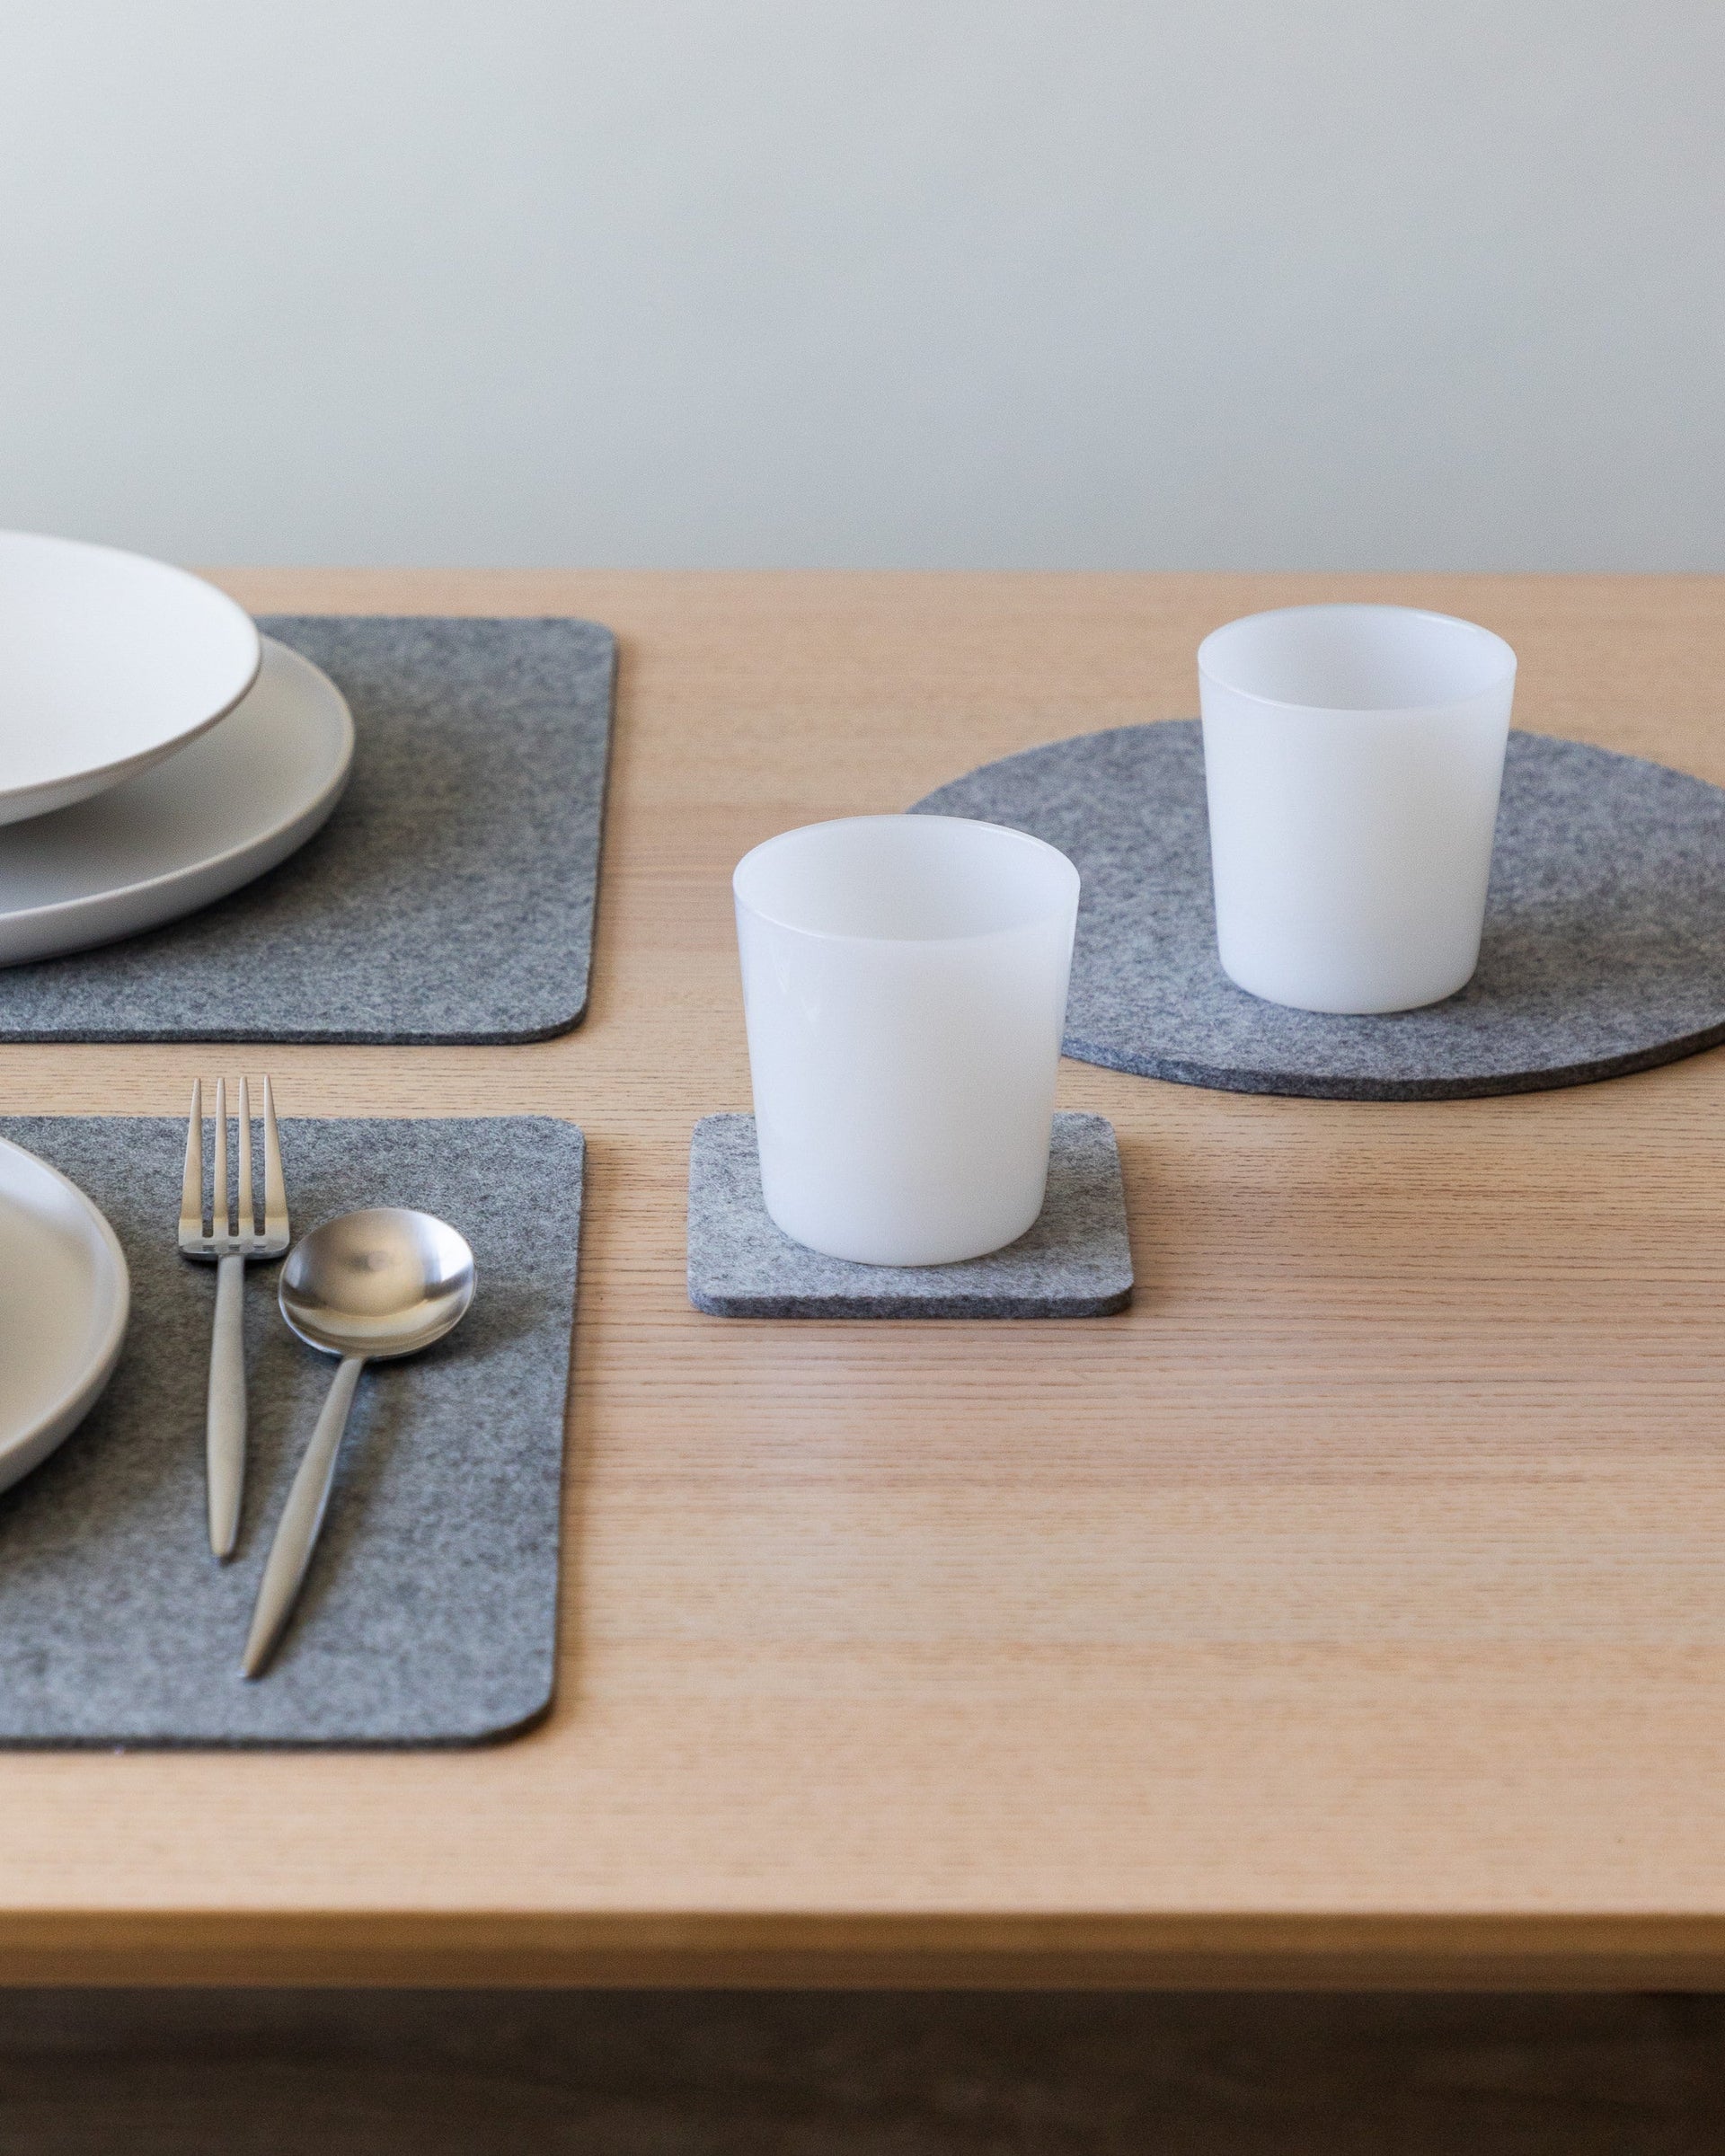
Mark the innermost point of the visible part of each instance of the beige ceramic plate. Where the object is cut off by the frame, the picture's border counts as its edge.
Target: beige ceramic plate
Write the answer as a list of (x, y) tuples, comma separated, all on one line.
[(218, 814), (65, 1294)]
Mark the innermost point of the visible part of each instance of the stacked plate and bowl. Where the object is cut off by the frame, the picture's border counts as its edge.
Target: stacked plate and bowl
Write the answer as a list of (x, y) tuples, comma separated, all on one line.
[(155, 754)]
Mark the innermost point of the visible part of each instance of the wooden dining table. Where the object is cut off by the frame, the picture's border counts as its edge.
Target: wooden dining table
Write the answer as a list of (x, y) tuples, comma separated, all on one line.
[(1349, 1611)]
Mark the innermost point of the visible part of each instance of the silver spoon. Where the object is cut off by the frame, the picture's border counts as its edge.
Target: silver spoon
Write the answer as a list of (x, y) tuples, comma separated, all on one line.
[(367, 1286)]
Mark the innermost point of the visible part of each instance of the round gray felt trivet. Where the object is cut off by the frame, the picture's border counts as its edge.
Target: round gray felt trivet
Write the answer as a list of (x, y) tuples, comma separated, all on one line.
[(1605, 930)]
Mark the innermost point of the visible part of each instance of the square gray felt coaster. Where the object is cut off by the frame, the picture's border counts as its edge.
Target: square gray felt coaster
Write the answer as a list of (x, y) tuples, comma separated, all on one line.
[(449, 897), (1075, 1262), (429, 1616)]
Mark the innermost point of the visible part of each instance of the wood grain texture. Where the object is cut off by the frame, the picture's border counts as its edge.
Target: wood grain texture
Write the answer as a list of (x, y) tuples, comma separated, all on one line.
[(1352, 1610), (562, 2073)]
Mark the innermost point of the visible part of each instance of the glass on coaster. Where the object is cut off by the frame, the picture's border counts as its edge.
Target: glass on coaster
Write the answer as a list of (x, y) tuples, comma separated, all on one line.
[(905, 985), (1353, 756)]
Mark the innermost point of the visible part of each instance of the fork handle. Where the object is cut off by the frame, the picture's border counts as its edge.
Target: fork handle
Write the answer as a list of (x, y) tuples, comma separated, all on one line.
[(225, 1425), (290, 1554)]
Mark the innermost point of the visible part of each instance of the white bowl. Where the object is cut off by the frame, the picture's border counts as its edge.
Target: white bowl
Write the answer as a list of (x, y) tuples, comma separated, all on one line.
[(107, 663)]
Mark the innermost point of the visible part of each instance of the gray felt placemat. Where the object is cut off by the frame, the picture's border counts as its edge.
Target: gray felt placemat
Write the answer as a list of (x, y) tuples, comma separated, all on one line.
[(1604, 933), (1075, 1262), (449, 897), (430, 1613)]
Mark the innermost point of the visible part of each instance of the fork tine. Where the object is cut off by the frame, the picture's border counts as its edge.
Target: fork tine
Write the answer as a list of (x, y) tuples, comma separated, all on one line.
[(191, 1190), (242, 1132), (275, 1191), (219, 1214)]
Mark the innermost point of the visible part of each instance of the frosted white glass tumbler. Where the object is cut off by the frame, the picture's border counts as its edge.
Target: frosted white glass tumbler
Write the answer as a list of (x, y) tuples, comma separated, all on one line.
[(1353, 758), (904, 984)]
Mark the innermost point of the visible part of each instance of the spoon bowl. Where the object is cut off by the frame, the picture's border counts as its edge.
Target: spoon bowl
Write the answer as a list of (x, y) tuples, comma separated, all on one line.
[(380, 1283)]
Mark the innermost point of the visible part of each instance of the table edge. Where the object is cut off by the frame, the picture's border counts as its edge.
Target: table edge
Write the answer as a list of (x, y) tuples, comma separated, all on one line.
[(932, 1952)]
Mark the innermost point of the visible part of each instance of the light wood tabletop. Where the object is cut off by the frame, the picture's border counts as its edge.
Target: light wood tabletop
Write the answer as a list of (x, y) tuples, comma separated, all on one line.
[(1352, 1610)]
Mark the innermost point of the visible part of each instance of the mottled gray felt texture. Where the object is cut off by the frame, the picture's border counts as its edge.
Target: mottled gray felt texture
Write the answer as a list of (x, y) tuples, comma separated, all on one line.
[(429, 1616), (1075, 1262), (449, 899), (1605, 930)]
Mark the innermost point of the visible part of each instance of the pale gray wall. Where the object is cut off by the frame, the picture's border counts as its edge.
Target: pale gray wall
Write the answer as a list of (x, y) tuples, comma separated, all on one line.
[(1351, 283)]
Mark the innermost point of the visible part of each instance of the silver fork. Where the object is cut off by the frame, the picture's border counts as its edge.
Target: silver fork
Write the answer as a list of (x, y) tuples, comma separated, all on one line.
[(228, 1245)]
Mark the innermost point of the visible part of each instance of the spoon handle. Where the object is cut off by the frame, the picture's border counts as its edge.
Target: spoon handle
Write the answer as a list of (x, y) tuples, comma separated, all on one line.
[(290, 1554)]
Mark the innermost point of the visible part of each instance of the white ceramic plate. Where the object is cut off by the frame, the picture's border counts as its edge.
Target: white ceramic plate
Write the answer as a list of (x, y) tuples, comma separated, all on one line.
[(214, 817), (65, 1294), (108, 662)]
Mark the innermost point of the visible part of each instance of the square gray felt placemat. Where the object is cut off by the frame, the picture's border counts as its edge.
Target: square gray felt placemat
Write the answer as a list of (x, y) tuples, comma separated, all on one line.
[(1075, 1262), (429, 1616), (449, 897)]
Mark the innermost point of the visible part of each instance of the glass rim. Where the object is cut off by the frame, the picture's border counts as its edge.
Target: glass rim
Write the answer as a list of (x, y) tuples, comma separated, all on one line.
[(1209, 669), (1023, 841)]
